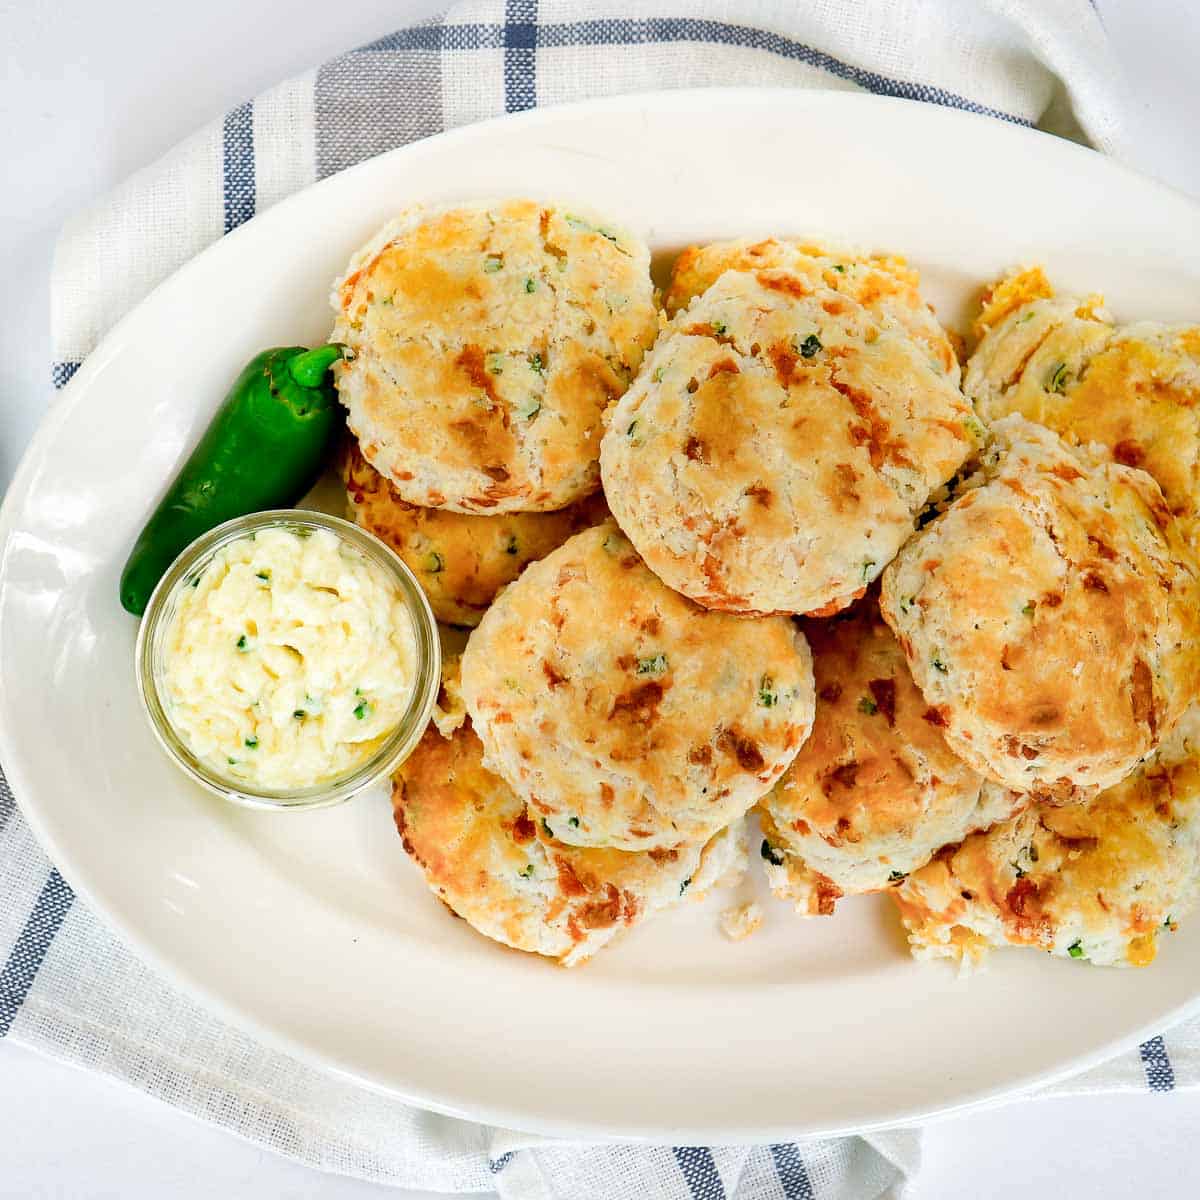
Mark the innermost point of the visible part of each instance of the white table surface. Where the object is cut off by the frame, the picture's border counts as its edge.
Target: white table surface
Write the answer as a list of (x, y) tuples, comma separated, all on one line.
[(91, 91)]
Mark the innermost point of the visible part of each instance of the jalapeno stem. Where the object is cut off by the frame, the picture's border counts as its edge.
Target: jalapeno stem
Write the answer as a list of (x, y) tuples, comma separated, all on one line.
[(308, 369)]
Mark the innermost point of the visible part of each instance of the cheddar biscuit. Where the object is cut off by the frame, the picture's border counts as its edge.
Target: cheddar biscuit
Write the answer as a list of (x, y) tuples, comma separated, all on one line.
[(460, 560), (884, 284), (1049, 616), (624, 714), (484, 345), (875, 790), (776, 447), (1135, 389), (1104, 881), (495, 865)]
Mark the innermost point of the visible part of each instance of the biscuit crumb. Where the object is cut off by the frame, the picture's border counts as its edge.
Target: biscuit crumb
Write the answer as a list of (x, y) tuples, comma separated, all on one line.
[(740, 922), (1019, 287), (738, 863), (449, 711)]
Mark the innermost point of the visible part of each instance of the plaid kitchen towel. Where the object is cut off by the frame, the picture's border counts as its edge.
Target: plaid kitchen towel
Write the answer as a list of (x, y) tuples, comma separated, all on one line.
[(68, 986)]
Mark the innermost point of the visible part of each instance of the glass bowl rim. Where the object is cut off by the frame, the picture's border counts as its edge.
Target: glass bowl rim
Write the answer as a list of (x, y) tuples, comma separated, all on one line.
[(397, 745)]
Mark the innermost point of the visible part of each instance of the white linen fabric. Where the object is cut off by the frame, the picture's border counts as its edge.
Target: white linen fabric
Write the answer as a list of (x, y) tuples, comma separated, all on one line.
[(69, 986)]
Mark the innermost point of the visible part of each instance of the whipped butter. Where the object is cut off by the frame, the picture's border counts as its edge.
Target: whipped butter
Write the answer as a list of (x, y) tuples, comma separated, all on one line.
[(288, 660)]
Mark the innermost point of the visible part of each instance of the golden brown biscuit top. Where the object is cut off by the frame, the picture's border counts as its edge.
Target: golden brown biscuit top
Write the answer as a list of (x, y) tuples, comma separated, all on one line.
[(486, 344), (464, 827), (1008, 294), (461, 560), (1120, 865), (1140, 397), (876, 762), (1135, 389), (602, 688), (1050, 615), (881, 283), (773, 452), (494, 863)]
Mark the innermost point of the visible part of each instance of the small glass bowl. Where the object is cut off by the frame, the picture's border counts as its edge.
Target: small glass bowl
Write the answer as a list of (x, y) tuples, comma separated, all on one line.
[(157, 621)]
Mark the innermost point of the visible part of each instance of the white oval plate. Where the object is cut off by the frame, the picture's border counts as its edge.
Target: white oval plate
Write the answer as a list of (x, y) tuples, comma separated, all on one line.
[(314, 930)]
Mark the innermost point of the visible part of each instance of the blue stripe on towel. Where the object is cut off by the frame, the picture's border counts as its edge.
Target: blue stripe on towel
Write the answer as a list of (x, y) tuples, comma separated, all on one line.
[(520, 55), (239, 182), (496, 1165), (521, 37), (61, 372), (793, 1175), (30, 950), (1160, 1075), (687, 29), (699, 1171)]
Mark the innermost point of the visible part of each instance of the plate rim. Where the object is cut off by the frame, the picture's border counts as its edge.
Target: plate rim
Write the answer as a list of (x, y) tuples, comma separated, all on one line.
[(23, 787)]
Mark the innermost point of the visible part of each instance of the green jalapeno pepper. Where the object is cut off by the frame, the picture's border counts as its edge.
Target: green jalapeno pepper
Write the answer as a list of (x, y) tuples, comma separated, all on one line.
[(264, 449)]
